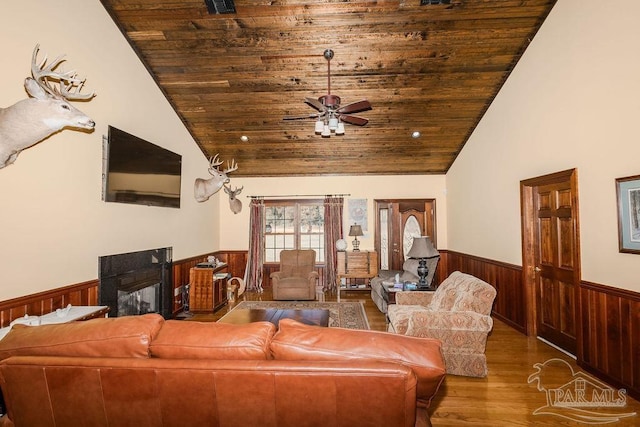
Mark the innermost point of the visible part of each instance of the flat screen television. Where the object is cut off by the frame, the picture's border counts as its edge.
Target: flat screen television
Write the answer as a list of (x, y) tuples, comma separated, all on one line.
[(139, 172)]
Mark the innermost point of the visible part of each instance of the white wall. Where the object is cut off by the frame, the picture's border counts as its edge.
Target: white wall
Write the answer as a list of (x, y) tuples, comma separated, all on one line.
[(54, 223), (573, 101), (234, 229)]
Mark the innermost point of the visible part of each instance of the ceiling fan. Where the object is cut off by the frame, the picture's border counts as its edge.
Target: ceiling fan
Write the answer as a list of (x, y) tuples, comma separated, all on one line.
[(331, 116)]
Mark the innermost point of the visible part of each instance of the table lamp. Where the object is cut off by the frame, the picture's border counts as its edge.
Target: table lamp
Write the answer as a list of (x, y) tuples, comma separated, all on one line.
[(356, 231), (422, 249)]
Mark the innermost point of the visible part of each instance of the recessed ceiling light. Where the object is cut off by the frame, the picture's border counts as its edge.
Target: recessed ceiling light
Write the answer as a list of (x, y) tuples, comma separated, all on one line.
[(415, 134), (244, 138)]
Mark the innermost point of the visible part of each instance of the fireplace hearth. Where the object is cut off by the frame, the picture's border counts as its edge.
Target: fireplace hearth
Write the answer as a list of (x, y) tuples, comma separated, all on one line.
[(136, 283)]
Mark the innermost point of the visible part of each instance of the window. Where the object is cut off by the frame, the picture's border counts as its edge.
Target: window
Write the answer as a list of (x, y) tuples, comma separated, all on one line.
[(293, 224)]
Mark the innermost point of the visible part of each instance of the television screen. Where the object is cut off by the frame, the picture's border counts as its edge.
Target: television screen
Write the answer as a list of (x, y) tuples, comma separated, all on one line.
[(139, 172)]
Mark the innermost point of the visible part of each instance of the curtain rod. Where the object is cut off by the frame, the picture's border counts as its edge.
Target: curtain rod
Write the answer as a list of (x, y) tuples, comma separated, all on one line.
[(288, 196)]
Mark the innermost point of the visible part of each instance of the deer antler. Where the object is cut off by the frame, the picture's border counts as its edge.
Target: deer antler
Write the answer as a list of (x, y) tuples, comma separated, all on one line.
[(67, 80), (231, 167), (214, 163)]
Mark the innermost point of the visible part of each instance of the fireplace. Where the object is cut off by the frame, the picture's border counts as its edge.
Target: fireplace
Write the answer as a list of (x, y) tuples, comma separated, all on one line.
[(136, 283)]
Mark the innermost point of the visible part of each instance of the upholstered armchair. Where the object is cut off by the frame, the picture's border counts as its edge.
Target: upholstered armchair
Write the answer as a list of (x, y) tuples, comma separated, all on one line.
[(297, 278), (458, 313)]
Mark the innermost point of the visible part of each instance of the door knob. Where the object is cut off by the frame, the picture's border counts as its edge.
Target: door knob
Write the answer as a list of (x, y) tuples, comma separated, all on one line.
[(537, 269)]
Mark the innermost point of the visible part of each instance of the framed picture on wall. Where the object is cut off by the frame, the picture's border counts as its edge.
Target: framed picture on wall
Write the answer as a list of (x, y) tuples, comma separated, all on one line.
[(357, 209), (628, 194)]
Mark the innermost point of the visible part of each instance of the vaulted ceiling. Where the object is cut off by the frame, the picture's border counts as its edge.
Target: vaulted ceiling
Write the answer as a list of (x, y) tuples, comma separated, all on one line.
[(430, 68)]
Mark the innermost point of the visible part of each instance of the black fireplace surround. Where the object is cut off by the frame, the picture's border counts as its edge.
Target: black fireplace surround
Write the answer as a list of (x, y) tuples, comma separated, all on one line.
[(137, 283)]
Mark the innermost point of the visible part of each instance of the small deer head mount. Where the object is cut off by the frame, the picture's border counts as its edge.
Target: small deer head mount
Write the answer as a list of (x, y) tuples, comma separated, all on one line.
[(48, 111), (205, 188), (234, 203)]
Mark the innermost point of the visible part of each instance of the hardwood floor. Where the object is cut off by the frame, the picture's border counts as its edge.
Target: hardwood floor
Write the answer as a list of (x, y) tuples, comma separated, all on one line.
[(504, 397)]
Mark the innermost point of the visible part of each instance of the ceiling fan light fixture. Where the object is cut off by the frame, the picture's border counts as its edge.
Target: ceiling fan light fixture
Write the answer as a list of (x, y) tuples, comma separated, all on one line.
[(331, 115)]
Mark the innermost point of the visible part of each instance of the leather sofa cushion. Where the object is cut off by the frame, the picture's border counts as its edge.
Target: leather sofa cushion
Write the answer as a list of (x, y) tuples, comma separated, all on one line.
[(297, 341), (127, 336), (180, 339)]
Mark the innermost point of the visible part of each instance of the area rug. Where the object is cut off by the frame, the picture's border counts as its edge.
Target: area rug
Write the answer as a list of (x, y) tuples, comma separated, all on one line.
[(349, 315)]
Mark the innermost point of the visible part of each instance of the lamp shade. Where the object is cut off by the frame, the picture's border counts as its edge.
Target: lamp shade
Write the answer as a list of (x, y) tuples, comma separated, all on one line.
[(355, 230), (422, 248)]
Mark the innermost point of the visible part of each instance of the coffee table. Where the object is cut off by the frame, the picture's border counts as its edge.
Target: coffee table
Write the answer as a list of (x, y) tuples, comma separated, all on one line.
[(318, 317)]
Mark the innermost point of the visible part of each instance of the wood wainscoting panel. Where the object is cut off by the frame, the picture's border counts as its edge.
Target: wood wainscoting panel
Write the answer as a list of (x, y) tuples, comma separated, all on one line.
[(510, 304), (610, 345), (85, 293)]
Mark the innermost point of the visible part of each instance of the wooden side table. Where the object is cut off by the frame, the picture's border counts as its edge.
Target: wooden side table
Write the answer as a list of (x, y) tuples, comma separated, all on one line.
[(356, 265)]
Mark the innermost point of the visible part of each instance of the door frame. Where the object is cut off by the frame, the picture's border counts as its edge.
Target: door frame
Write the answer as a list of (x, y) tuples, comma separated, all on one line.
[(530, 243)]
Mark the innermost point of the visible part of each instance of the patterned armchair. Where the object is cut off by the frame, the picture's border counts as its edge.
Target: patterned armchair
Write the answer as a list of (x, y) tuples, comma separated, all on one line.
[(297, 278), (458, 313)]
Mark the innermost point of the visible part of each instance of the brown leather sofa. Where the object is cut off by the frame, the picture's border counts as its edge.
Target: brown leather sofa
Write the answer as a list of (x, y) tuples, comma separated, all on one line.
[(145, 371)]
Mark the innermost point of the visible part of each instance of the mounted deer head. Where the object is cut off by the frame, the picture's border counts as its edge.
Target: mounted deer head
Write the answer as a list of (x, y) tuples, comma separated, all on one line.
[(234, 203), (48, 111), (205, 188)]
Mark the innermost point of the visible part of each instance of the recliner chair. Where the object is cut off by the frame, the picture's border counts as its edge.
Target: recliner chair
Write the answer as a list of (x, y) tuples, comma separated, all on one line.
[(297, 277)]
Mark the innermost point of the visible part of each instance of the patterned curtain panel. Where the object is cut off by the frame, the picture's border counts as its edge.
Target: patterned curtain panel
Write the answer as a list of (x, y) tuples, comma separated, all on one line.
[(256, 244), (332, 233)]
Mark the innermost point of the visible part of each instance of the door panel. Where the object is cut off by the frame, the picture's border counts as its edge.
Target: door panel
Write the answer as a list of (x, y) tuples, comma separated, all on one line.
[(556, 279)]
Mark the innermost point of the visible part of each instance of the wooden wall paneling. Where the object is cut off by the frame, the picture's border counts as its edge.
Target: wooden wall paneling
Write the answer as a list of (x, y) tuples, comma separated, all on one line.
[(510, 303), (85, 293), (236, 260), (610, 346)]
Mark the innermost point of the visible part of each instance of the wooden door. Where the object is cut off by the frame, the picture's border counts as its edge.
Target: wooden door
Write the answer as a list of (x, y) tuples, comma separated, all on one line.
[(398, 221), (554, 263)]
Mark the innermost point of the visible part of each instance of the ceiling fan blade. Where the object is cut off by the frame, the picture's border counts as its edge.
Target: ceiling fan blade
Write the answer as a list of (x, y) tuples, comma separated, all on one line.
[(354, 120), (308, 116), (315, 104), (355, 107)]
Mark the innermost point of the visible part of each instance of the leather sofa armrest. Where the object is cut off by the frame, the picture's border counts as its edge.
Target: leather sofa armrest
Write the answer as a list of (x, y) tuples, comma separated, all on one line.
[(276, 275), (414, 298)]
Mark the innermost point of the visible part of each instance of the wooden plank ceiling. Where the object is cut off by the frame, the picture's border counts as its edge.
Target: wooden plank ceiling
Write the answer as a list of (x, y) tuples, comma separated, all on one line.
[(433, 69)]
